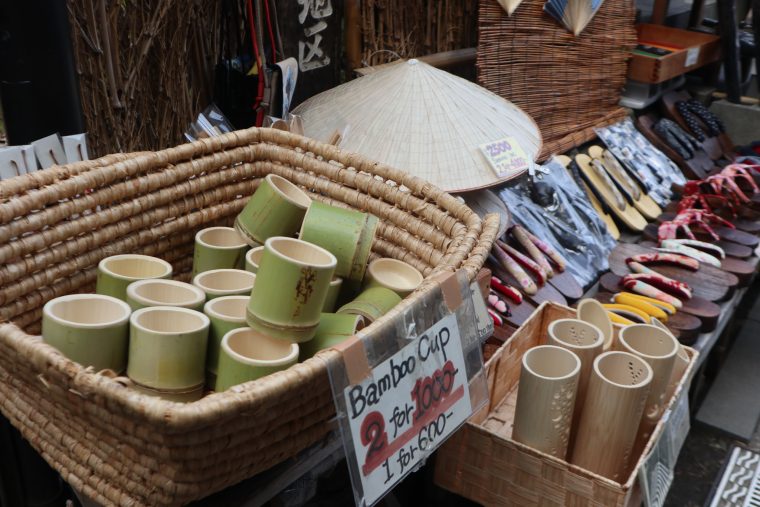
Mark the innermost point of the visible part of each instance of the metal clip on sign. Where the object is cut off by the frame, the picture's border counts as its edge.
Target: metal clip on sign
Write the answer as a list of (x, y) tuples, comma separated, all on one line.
[(401, 392)]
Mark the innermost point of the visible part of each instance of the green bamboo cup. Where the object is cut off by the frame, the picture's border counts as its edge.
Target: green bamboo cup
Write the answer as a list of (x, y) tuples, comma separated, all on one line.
[(347, 234), (115, 273), (225, 313), (333, 329), (177, 395), (160, 292), (91, 329), (291, 288), (218, 248), (372, 303), (332, 295), (167, 347), (225, 282), (276, 208), (253, 258), (393, 274), (247, 355)]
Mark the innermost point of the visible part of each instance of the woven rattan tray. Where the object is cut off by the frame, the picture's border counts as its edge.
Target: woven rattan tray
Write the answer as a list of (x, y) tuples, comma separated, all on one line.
[(120, 447)]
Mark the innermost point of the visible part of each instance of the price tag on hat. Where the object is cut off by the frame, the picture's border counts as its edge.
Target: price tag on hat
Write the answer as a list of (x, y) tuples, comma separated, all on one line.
[(506, 157)]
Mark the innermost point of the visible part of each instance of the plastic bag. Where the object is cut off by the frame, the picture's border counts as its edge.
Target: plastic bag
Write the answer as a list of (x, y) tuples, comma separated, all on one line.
[(549, 203), (211, 122), (652, 168)]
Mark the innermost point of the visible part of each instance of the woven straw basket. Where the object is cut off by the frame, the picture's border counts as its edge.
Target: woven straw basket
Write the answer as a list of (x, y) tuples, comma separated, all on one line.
[(120, 447)]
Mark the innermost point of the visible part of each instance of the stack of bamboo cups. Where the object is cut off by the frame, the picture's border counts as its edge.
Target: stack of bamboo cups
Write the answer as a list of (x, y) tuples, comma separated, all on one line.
[(594, 408)]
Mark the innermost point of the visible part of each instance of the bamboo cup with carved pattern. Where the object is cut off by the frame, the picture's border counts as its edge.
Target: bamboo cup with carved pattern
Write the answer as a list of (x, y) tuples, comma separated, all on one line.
[(659, 349), (615, 399), (586, 341), (290, 290), (276, 208), (546, 399)]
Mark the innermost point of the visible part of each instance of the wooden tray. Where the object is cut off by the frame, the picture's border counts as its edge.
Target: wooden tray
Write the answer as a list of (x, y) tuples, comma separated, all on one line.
[(692, 51)]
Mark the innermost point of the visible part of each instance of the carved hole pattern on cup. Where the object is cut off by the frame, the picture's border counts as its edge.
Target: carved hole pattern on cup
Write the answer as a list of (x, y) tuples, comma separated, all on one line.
[(635, 373)]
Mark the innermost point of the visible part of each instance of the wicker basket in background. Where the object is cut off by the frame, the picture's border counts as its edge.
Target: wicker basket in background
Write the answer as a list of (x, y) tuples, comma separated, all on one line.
[(120, 447), (568, 84)]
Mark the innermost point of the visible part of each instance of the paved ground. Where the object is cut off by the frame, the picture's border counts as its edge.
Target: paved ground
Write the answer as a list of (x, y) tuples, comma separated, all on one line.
[(706, 449)]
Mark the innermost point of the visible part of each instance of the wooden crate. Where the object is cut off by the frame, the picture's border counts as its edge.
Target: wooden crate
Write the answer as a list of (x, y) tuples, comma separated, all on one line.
[(693, 50), (481, 462)]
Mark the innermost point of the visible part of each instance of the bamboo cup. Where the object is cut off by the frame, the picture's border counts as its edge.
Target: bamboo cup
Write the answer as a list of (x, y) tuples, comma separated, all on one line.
[(332, 295), (225, 313), (176, 395), (247, 355), (253, 259), (225, 282), (546, 398), (167, 348), (91, 329), (277, 208), (615, 399), (159, 292), (115, 273), (218, 248), (291, 288), (659, 349), (372, 303), (680, 364), (347, 234), (592, 311), (333, 329), (585, 341), (393, 274)]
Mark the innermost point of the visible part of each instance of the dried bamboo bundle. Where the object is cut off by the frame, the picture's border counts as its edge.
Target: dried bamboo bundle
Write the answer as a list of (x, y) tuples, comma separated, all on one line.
[(145, 69), (411, 28), (568, 84)]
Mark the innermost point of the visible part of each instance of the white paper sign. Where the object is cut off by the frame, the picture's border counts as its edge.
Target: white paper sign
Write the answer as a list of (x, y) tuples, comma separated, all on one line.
[(407, 407), (692, 55), (506, 157)]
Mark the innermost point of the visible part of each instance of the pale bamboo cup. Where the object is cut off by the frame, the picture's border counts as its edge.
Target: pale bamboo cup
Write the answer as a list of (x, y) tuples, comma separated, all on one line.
[(225, 282), (617, 393), (592, 311), (276, 208), (393, 274), (659, 349), (160, 292), (290, 291), (546, 398), (225, 314), (253, 258), (586, 341), (91, 329), (116, 272), (218, 248), (679, 365)]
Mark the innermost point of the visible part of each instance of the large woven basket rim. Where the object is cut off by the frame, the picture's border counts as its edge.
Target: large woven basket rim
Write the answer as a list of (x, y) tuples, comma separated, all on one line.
[(175, 416)]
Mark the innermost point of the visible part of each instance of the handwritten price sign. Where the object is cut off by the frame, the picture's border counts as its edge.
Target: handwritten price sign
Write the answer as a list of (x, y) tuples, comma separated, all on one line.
[(506, 157), (408, 406)]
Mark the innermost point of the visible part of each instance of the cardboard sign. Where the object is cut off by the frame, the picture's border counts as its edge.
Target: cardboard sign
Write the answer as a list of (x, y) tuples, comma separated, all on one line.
[(407, 407), (506, 157)]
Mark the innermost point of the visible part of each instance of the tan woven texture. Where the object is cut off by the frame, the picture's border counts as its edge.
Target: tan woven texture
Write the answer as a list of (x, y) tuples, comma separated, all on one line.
[(568, 84), (120, 447)]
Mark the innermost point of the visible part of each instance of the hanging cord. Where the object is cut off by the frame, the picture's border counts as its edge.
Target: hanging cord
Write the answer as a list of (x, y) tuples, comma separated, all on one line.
[(260, 67), (271, 31), (278, 35)]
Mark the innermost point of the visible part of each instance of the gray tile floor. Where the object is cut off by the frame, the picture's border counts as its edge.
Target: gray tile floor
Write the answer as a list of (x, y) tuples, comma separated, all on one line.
[(706, 449)]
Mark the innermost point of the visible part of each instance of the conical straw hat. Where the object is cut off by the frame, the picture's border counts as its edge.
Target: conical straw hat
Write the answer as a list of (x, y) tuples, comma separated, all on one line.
[(422, 120)]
